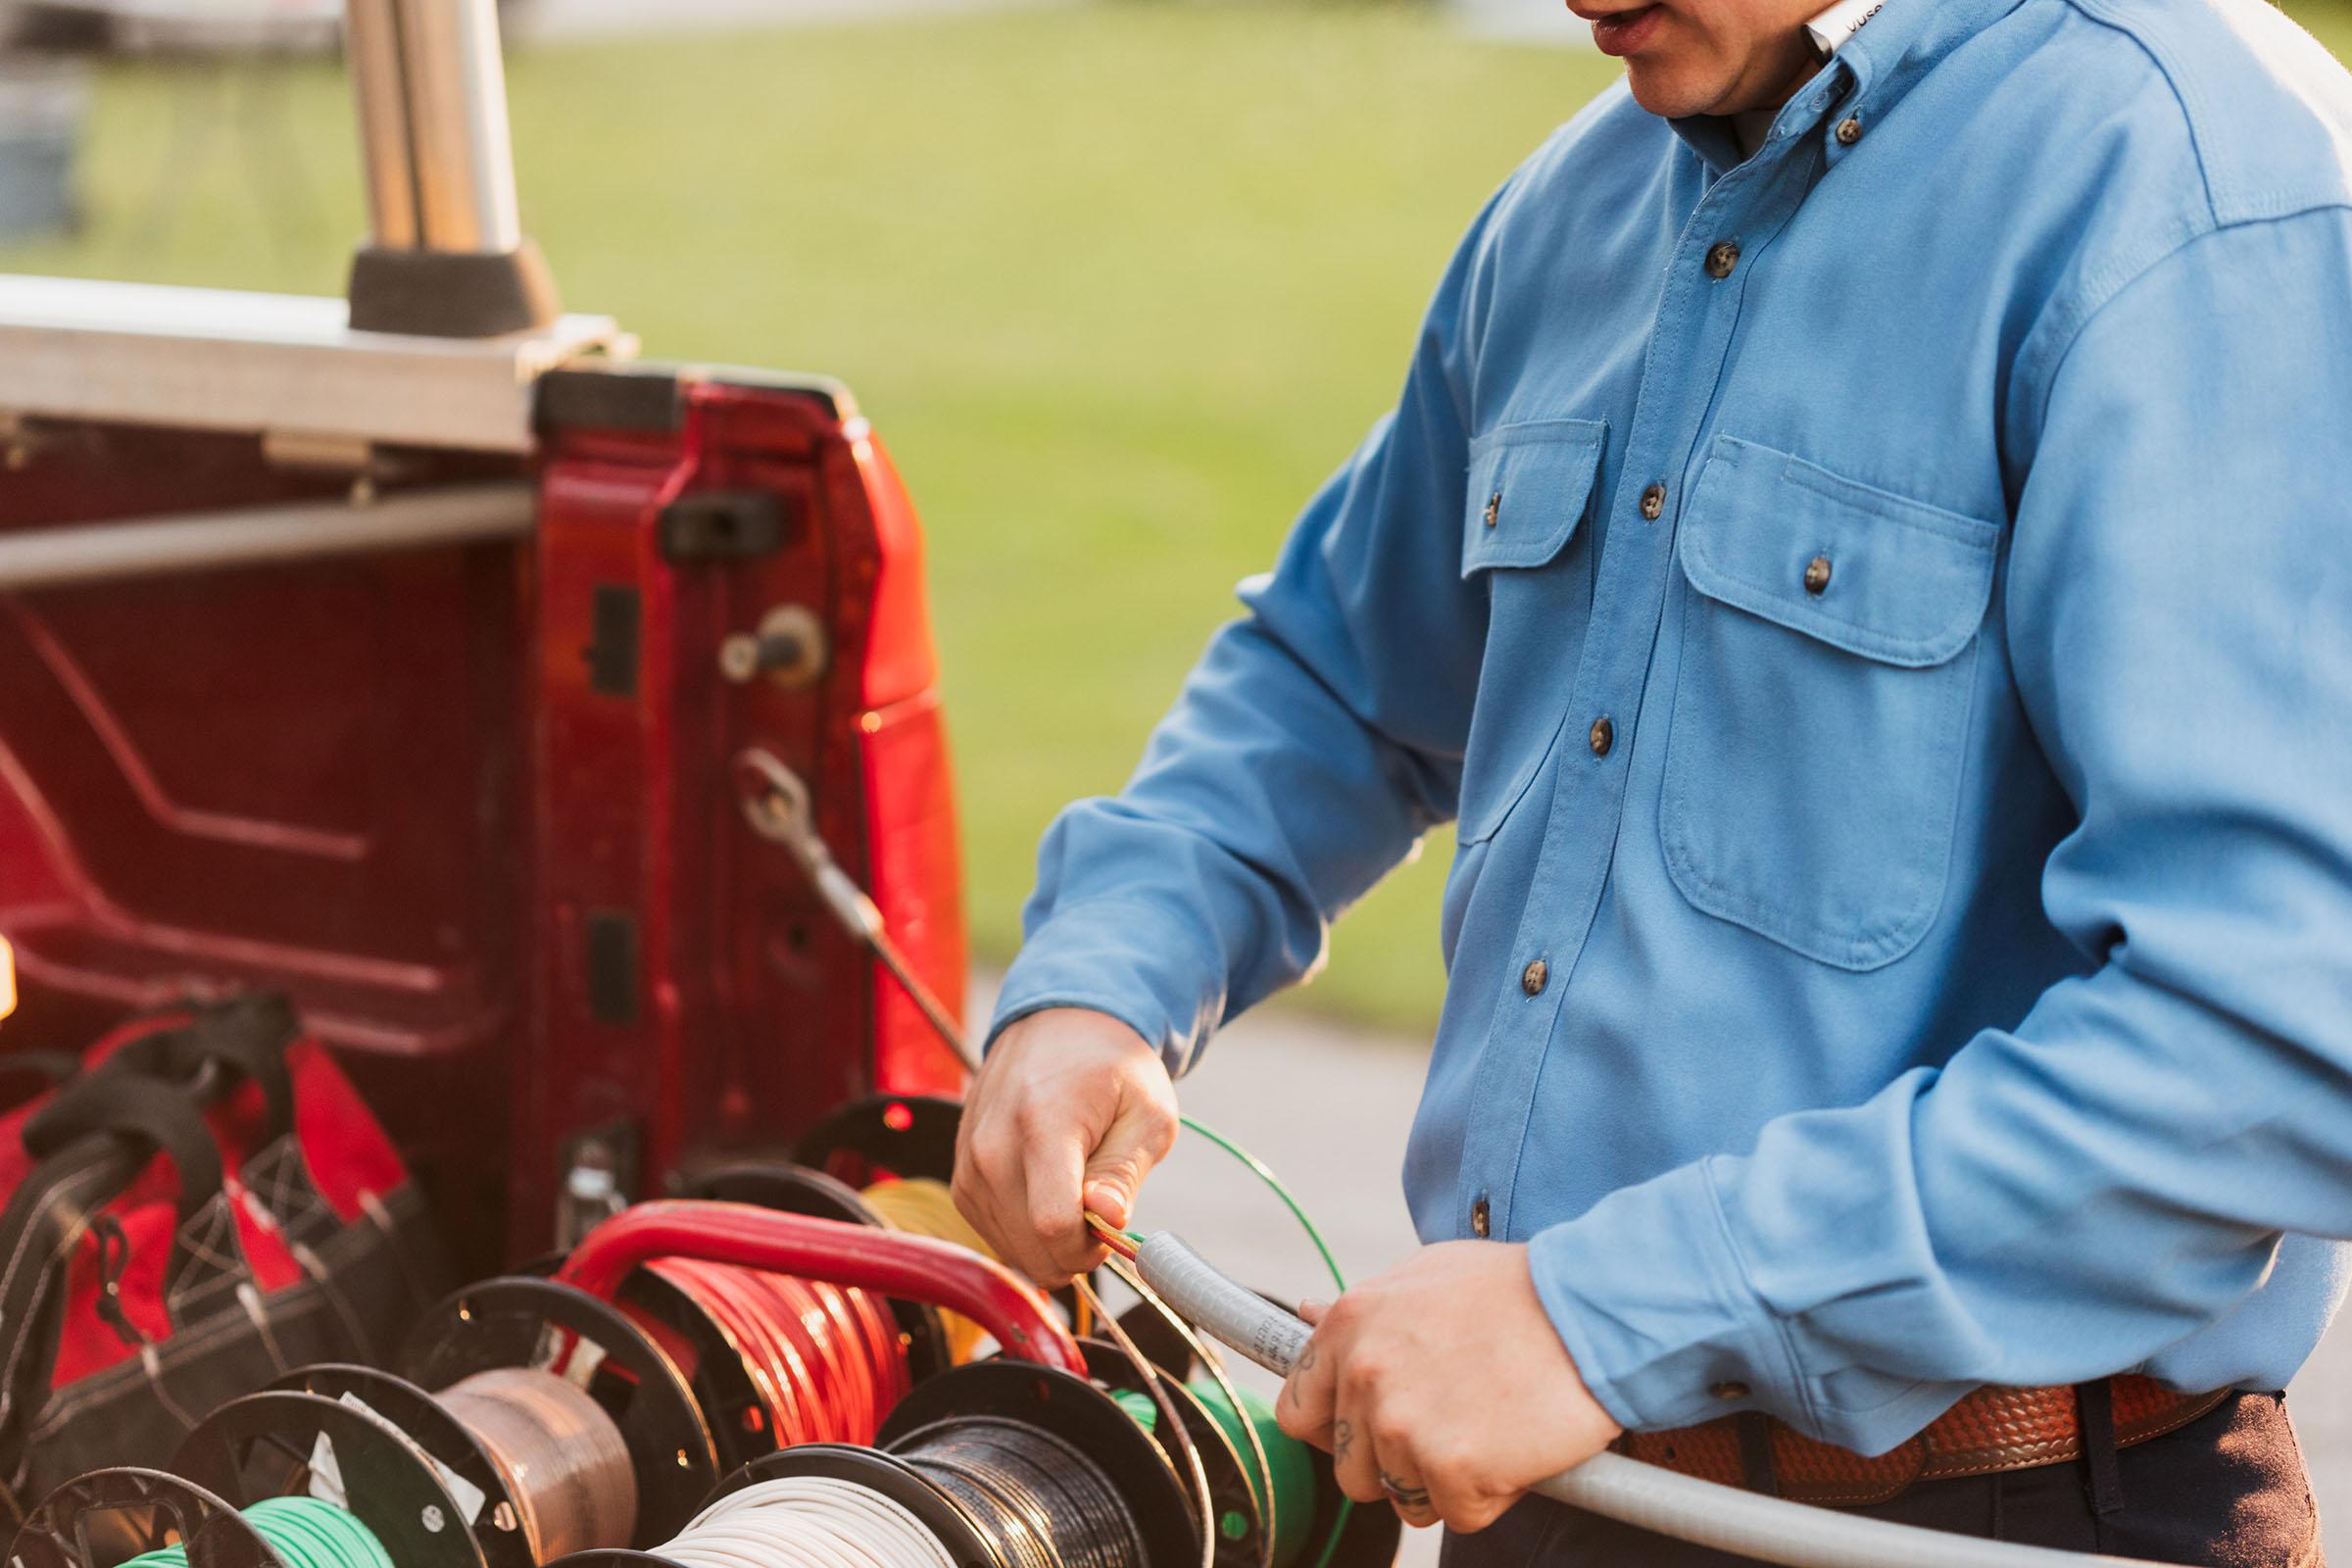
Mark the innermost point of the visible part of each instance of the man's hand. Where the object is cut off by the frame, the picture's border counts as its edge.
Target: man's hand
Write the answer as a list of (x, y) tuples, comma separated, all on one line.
[(1070, 1112), (1444, 1374)]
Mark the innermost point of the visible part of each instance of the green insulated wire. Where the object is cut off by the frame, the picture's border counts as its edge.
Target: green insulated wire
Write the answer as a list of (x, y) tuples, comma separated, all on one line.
[(1264, 1173), (304, 1532), (1274, 1183)]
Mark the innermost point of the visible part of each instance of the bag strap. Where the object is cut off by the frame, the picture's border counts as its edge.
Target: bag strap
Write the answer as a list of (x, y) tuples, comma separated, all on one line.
[(247, 1035)]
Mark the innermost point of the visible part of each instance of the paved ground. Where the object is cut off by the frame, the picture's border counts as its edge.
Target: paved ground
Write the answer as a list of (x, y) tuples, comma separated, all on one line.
[(1328, 1109)]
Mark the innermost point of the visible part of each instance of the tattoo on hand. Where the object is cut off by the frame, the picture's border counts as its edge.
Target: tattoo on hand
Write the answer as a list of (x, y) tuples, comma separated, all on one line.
[(1343, 1435), (1289, 1385)]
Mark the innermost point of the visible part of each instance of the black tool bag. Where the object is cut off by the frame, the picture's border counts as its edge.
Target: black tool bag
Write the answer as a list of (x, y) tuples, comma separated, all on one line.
[(203, 1206)]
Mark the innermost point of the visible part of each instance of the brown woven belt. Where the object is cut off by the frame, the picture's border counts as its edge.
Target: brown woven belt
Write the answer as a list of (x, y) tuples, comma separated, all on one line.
[(1991, 1430)]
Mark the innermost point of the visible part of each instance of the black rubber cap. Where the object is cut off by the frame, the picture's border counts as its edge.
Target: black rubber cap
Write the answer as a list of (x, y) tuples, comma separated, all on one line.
[(452, 293)]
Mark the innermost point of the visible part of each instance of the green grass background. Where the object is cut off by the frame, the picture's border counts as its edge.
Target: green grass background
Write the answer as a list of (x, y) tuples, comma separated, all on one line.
[(1119, 285)]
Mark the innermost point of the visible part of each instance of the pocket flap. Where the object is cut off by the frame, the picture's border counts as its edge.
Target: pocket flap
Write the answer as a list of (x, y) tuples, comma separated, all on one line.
[(1861, 568), (1528, 484)]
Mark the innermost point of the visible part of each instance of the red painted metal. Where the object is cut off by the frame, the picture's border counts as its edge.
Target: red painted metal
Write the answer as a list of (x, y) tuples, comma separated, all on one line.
[(913, 1268), (507, 882)]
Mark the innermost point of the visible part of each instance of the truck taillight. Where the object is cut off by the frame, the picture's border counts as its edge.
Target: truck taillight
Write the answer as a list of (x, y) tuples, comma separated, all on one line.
[(915, 865)]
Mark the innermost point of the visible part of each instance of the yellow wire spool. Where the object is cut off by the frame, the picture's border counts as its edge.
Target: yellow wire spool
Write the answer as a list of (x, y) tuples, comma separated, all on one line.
[(922, 1206)]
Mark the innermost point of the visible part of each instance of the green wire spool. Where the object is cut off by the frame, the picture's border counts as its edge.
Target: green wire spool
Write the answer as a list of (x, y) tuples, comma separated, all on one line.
[(1293, 1472), (304, 1533), (1286, 1456)]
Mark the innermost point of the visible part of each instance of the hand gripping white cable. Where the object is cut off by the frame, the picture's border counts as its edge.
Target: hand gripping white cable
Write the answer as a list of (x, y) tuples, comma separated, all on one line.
[(1745, 1523), (806, 1522)]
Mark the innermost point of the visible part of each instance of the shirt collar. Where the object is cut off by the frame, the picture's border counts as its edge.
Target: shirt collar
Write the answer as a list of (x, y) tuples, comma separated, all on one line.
[(1876, 50)]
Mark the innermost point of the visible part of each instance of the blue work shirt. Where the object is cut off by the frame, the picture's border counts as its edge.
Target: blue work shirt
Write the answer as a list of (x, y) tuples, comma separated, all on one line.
[(1880, 612)]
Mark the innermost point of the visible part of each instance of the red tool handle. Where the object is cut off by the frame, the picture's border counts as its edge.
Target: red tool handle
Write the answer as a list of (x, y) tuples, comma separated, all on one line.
[(915, 1268)]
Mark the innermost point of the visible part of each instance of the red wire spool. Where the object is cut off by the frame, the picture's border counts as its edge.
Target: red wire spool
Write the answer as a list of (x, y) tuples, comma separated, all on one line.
[(779, 1318), (827, 1363), (889, 1262)]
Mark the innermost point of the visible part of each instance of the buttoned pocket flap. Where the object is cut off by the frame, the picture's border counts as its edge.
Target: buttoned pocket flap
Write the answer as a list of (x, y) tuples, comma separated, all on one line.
[(1858, 568), (1529, 487)]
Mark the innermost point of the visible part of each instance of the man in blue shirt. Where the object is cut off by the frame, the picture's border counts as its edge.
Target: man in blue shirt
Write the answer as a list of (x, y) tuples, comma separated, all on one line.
[(1864, 552)]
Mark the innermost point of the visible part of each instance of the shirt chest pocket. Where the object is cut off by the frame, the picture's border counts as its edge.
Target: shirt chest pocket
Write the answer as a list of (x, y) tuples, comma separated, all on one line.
[(1529, 488), (1821, 708)]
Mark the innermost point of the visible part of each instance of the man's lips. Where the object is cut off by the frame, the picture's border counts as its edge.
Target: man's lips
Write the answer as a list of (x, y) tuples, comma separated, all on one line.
[(1621, 32)]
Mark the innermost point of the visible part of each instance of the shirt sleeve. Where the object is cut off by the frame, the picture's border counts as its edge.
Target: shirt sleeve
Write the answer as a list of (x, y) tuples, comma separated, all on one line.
[(2066, 1199), (1316, 740)]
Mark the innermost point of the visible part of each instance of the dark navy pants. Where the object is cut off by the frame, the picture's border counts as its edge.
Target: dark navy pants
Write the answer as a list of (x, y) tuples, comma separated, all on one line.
[(2228, 1489)]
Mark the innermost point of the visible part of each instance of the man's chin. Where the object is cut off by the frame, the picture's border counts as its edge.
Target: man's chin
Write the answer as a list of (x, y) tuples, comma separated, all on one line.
[(1669, 93)]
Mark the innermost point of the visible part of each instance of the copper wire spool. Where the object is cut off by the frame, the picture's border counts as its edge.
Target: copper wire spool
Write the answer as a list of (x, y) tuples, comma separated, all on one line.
[(827, 1362), (564, 1463)]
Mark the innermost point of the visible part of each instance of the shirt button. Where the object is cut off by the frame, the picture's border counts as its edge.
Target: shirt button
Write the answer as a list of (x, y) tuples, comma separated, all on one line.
[(1654, 502), (1850, 131), (1493, 507), (1480, 1222), (1729, 1390), (1532, 978), (1817, 574), (1722, 257), (1601, 737)]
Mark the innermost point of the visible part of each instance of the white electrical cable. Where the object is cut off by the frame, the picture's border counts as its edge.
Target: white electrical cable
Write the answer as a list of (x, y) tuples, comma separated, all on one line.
[(1746, 1524), (806, 1522)]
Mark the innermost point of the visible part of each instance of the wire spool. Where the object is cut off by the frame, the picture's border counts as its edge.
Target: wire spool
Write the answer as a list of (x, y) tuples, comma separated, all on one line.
[(922, 1206), (914, 1205), (1237, 1506), (1053, 1471), (1004, 1464), (1287, 1484), (756, 1520), (301, 1532), (778, 1361), (539, 1467), (910, 1135), (104, 1518), (565, 1461), (279, 1445), (774, 1361), (798, 1190), (497, 1348), (466, 1466)]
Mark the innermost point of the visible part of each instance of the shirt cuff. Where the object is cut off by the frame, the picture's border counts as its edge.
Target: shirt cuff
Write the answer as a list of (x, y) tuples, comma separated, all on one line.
[(1126, 958), (1648, 1294)]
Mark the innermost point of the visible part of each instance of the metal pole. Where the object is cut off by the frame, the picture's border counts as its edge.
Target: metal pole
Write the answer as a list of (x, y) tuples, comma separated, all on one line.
[(457, 133), (372, 40), (262, 536), (445, 256)]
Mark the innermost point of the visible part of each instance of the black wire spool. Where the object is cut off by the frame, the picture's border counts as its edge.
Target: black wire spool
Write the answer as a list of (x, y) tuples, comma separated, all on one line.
[(1054, 1472), (905, 1135), (1234, 1521), (110, 1516), (726, 1389), (280, 1444), (553, 1327), (440, 1438)]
